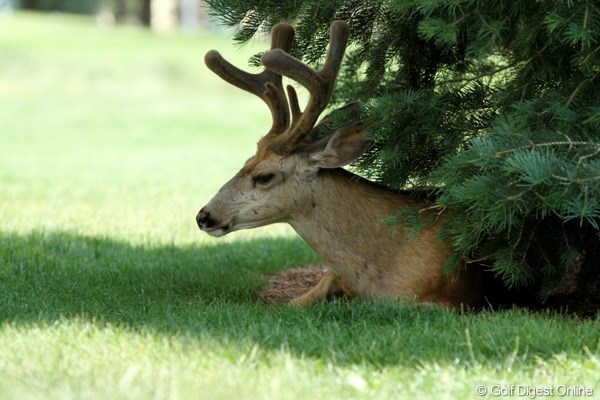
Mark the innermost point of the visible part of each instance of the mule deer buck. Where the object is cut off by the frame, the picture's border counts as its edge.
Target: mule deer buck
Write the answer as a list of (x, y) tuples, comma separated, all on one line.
[(296, 177)]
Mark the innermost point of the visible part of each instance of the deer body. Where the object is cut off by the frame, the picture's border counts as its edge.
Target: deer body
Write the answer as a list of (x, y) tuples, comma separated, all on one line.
[(295, 177), (343, 223)]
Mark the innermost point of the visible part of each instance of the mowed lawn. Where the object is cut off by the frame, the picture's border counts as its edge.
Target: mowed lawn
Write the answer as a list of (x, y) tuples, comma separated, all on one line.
[(110, 142)]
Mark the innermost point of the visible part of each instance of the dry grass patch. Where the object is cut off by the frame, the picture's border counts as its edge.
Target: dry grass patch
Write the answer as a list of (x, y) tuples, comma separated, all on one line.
[(285, 285)]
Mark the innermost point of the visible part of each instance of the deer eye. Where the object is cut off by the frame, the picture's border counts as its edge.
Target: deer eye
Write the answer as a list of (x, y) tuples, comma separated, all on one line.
[(262, 179)]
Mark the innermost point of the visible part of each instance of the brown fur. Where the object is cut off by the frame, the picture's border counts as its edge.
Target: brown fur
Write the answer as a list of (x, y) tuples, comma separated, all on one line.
[(370, 260)]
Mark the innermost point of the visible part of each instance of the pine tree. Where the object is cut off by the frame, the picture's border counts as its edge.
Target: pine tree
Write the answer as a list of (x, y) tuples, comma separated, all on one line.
[(494, 104)]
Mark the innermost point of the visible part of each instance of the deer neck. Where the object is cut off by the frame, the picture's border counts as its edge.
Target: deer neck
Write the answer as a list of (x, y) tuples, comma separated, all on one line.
[(346, 212)]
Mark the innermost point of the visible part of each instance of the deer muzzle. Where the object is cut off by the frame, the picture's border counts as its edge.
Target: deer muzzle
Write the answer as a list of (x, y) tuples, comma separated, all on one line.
[(209, 225)]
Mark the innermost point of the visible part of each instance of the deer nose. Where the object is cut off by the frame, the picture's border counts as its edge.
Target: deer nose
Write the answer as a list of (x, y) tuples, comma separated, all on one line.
[(202, 218)]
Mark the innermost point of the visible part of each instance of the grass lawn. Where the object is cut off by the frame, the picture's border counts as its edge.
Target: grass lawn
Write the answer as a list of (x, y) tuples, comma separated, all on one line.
[(110, 142)]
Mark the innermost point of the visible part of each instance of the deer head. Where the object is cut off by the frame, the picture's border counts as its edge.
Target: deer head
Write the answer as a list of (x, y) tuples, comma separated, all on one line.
[(281, 177)]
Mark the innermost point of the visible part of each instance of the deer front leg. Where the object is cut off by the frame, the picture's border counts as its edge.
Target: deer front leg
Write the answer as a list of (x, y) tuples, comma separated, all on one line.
[(328, 285)]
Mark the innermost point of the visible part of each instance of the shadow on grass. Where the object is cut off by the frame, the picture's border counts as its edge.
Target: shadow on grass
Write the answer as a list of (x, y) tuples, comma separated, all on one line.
[(209, 291)]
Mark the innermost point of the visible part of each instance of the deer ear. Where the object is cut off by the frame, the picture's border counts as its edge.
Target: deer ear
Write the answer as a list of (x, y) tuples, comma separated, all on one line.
[(340, 148)]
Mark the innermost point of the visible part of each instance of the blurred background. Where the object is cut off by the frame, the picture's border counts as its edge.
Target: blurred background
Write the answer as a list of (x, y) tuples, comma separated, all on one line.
[(160, 15), (110, 123)]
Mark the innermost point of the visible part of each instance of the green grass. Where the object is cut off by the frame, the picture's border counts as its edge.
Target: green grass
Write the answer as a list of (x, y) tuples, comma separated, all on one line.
[(110, 142)]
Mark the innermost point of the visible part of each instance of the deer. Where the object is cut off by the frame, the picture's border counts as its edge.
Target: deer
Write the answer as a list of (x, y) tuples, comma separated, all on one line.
[(296, 177)]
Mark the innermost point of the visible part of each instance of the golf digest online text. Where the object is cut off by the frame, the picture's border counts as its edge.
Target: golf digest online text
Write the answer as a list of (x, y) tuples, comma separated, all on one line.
[(533, 392)]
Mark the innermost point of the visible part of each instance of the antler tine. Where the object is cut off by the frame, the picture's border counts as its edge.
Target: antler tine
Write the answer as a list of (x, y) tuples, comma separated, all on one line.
[(294, 105), (266, 84), (319, 83)]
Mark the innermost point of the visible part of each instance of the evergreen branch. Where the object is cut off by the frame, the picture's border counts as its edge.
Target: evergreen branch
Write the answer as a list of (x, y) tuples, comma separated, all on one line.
[(590, 54), (569, 143), (518, 195), (578, 88), (433, 207), (474, 78), (479, 260), (582, 158), (576, 180), (529, 241), (529, 60), (591, 118)]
